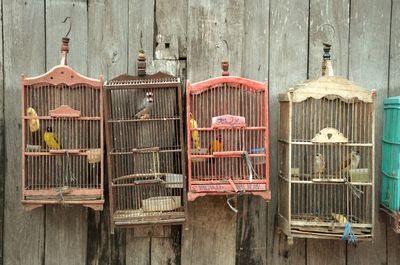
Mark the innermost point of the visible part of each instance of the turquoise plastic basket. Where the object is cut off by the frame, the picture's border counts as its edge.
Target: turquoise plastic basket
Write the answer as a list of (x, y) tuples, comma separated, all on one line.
[(390, 186)]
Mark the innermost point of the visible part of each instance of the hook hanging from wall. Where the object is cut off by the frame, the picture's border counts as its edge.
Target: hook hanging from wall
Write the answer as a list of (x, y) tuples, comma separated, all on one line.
[(70, 25), (140, 40), (329, 41)]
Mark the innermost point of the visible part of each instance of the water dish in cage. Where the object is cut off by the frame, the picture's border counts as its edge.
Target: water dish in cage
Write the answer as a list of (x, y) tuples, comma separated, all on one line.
[(161, 203), (174, 180), (32, 148), (258, 160), (359, 175), (93, 156)]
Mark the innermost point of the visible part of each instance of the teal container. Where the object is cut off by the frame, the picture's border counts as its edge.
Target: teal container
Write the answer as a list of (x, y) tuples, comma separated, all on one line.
[(390, 186)]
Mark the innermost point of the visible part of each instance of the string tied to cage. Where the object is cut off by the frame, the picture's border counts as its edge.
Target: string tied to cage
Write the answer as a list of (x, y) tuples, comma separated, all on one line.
[(356, 191), (252, 171), (348, 234)]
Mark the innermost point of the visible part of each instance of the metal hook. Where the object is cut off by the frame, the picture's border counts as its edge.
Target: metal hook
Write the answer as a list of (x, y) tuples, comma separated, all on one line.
[(141, 37), (70, 25), (227, 48), (333, 32)]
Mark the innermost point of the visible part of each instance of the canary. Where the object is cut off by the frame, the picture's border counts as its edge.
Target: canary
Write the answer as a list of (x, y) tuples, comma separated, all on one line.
[(195, 133), (340, 218), (216, 146), (33, 121), (51, 139)]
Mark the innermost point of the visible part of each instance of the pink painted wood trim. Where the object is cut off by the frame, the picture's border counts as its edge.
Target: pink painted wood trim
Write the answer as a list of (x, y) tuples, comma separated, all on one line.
[(228, 187), (224, 128), (229, 153), (218, 182), (64, 151), (188, 135), (251, 85), (228, 121), (266, 110), (224, 154), (192, 196), (62, 74), (52, 152), (78, 118), (64, 111)]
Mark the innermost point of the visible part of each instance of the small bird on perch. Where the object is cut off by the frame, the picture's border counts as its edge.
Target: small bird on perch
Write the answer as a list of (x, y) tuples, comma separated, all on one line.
[(51, 139), (318, 164), (216, 146), (34, 124), (195, 133), (350, 163), (145, 107)]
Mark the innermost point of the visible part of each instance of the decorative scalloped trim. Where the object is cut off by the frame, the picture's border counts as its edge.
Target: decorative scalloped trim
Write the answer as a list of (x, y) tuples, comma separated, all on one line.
[(329, 135)]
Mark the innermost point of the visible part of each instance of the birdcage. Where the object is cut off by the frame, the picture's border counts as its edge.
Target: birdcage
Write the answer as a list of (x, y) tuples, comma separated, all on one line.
[(390, 186), (62, 138), (145, 146), (326, 158), (227, 124)]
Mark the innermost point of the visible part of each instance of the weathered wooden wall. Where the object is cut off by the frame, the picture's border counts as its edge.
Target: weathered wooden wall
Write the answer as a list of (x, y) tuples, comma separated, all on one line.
[(278, 40)]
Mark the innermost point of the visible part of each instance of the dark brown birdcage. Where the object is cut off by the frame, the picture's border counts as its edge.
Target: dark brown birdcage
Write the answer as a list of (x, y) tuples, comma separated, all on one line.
[(227, 123), (144, 144), (62, 138), (326, 158)]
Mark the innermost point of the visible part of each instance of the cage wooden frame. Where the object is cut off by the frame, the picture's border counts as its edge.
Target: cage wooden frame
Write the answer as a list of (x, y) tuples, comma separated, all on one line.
[(209, 184), (127, 218), (63, 77), (334, 185)]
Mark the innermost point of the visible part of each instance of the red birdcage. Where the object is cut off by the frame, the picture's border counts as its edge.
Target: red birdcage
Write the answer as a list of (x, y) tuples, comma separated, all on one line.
[(144, 136), (62, 138), (227, 123)]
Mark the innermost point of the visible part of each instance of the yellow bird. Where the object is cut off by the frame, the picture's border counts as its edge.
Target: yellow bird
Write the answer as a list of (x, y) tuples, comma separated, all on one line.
[(216, 146), (195, 133), (340, 218), (51, 139), (33, 121)]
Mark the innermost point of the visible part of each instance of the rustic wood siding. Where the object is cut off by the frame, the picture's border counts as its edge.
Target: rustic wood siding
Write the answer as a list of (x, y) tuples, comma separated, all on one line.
[(278, 40)]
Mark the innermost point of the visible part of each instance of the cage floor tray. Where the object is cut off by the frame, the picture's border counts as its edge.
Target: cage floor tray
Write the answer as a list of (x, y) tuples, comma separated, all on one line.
[(161, 203)]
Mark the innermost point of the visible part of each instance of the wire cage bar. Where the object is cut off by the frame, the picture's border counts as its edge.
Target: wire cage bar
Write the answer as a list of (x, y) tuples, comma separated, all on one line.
[(390, 185), (62, 138), (144, 135), (326, 158), (227, 124)]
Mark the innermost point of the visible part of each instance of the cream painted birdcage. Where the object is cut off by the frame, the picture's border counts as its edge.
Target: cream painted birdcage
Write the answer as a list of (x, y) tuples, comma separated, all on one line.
[(326, 158), (144, 136)]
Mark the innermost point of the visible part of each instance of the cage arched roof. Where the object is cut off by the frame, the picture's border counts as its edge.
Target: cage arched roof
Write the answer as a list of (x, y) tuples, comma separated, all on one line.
[(330, 87)]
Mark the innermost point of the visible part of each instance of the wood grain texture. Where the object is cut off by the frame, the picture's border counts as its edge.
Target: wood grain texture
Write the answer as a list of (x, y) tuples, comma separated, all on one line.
[(209, 233), (138, 249), (23, 231), (322, 13), (171, 28), (108, 38), (2, 139), (141, 31), (215, 30), (66, 227), (368, 66), (251, 227), (288, 40)]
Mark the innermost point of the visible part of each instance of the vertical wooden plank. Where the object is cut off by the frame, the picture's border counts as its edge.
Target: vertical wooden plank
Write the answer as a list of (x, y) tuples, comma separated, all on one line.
[(141, 31), (322, 14), (215, 30), (171, 28), (24, 52), (329, 22), (138, 249), (209, 233), (167, 250), (251, 226), (108, 55), (2, 137), (368, 66), (66, 227), (288, 65)]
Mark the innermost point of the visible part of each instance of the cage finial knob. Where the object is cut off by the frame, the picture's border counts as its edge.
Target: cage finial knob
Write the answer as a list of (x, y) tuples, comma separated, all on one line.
[(225, 68), (326, 68), (64, 50), (141, 64)]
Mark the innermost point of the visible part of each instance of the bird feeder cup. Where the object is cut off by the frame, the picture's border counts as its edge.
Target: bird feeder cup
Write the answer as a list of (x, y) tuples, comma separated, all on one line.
[(144, 136), (227, 125), (326, 157), (62, 129)]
